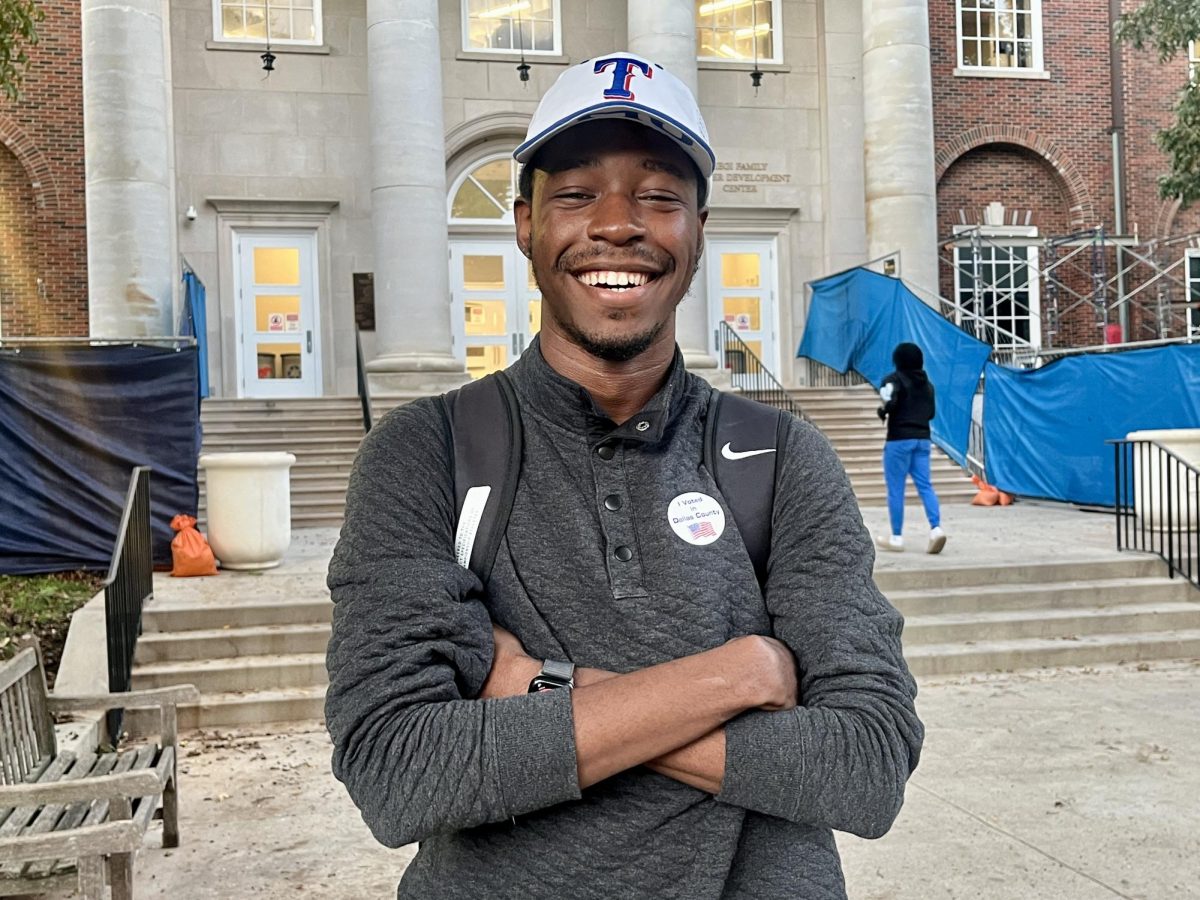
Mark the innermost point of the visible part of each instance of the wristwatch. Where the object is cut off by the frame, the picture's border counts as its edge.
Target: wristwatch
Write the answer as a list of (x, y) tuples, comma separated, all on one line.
[(555, 674)]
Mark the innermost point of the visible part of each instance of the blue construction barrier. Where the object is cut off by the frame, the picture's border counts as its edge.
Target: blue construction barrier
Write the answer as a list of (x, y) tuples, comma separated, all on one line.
[(74, 421), (1045, 429), (857, 318)]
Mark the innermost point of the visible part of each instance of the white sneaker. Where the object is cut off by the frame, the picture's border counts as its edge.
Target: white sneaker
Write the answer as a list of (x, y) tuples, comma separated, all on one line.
[(893, 544), (937, 540)]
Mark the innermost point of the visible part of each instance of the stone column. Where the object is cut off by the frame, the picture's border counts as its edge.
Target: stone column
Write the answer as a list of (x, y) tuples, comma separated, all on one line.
[(901, 194), (665, 32), (127, 160), (408, 202)]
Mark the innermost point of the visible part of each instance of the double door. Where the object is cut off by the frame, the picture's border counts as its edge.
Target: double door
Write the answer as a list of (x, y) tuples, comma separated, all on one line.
[(501, 305)]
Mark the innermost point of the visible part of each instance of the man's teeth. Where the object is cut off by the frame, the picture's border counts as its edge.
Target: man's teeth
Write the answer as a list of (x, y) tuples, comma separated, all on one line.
[(612, 279)]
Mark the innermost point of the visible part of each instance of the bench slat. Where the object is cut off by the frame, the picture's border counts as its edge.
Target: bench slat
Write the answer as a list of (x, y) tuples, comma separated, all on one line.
[(17, 667), (56, 817), (19, 818)]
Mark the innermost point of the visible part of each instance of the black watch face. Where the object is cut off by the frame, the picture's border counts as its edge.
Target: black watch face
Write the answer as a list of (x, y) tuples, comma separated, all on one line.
[(545, 683)]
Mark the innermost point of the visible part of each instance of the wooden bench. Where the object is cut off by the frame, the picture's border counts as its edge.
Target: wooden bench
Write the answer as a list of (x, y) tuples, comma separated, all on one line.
[(67, 818)]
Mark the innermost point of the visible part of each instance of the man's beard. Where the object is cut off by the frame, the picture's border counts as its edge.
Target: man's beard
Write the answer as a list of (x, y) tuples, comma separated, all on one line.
[(609, 349), (613, 349)]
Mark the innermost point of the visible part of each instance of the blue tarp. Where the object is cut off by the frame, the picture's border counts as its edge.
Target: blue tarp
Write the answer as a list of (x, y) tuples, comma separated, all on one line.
[(74, 420), (858, 317), (1045, 428), (194, 323)]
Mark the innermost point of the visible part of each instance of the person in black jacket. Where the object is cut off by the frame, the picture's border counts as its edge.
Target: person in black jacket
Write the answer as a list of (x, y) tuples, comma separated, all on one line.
[(908, 408)]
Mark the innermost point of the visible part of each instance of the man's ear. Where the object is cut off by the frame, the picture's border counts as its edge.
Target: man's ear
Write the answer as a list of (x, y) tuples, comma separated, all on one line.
[(703, 217), (523, 214)]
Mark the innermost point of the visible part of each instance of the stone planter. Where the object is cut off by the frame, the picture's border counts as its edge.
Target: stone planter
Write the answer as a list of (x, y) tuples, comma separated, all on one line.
[(249, 507), (1151, 478)]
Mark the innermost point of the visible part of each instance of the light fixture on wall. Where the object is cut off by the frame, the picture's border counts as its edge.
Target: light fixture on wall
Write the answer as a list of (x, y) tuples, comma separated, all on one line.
[(268, 58), (523, 68), (191, 213), (756, 75)]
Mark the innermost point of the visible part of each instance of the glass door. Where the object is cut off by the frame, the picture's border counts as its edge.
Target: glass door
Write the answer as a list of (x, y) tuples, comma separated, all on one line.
[(277, 323), (741, 291), (500, 301)]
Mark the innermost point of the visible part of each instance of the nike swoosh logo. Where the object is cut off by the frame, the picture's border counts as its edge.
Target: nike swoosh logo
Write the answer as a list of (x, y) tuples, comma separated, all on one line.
[(742, 454)]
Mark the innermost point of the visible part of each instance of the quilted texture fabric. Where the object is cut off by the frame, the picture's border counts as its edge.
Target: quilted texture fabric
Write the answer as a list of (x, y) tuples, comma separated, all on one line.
[(489, 787)]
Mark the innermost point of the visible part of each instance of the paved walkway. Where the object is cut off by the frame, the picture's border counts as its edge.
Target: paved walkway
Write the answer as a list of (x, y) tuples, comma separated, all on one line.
[(1061, 785)]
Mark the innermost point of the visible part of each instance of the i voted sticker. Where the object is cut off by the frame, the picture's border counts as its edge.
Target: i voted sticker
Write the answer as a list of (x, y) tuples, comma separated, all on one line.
[(696, 517)]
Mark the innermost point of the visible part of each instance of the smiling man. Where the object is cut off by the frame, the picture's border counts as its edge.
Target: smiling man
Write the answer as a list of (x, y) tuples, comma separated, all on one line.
[(621, 710)]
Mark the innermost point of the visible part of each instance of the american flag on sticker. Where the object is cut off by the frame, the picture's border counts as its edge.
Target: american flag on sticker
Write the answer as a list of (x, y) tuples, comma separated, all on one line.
[(702, 530)]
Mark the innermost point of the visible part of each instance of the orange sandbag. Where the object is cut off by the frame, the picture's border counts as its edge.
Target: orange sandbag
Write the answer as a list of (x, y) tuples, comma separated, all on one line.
[(190, 553), (1006, 498), (987, 495)]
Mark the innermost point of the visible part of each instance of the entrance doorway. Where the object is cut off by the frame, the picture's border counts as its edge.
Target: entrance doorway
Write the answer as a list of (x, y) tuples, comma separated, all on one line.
[(275, 282), (492, 283), (741, 293)]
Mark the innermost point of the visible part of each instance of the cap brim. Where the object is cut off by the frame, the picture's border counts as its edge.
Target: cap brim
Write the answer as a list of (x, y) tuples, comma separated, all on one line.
[(689, 142)]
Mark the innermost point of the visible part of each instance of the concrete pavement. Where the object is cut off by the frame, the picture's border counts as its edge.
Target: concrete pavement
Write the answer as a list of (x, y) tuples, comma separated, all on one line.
[(1060, 784)]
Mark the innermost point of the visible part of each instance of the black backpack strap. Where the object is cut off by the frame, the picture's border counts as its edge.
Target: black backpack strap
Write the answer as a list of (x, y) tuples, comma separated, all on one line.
[(485, 425), (734, 429)]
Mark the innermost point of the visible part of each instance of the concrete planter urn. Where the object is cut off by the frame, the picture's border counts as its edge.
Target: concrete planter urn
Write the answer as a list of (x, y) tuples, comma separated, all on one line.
[(249, 507), (1151, 478)]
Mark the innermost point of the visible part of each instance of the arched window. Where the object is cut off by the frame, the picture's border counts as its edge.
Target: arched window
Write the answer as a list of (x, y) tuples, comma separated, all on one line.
[(484, 194)]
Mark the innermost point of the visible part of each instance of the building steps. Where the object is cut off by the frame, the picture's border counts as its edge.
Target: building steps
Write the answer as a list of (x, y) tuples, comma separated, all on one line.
[(261, 659), (846, 416), (324, 434)]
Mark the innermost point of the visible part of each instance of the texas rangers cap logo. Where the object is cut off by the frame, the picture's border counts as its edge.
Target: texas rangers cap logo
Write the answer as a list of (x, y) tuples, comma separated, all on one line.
[(621, 86)]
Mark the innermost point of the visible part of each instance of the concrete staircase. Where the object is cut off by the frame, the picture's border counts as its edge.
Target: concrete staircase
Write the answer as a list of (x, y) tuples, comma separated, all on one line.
[(847, 417), (323, 433), (1000, 618), (263, 661)]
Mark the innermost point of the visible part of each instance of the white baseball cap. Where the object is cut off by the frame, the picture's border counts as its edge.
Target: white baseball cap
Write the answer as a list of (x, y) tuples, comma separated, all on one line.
[(621, 86)]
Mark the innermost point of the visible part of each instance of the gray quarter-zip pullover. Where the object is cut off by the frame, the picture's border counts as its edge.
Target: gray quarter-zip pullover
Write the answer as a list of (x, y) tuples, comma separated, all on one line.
[(592, 571)]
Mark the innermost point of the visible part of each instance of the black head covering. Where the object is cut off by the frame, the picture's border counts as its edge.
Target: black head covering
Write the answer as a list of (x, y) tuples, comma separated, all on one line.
[(908, 357)]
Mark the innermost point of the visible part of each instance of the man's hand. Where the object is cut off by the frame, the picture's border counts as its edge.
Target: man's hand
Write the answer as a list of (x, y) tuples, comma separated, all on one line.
[(512, 667), (770, 671)]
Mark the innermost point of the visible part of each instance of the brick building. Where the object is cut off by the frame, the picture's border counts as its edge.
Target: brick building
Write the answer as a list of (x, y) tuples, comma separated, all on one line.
[(43, 247), (1033, 107)]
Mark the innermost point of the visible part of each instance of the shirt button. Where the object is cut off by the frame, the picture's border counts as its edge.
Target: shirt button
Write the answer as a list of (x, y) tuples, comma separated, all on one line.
[(642, 425), (612, 502), (623, 553), (606, 451)]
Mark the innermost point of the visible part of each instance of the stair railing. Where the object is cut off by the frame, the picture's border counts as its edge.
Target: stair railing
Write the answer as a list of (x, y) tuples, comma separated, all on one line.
[(364, 386), (130, 583), (1157, 500), (748, 374)]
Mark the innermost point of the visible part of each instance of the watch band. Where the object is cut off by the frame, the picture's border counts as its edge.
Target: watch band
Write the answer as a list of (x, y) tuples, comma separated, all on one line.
[(555, 674)]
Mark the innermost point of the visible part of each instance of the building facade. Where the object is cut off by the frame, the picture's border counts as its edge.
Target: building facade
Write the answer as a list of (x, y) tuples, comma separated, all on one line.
[(363, 185)]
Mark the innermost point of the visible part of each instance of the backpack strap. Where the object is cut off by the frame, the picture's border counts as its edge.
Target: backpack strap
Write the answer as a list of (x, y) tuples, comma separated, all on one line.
[(485, 426), (736, 425)]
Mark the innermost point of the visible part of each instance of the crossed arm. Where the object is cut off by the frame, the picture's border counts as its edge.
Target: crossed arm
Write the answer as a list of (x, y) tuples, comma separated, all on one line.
[(669, 717)]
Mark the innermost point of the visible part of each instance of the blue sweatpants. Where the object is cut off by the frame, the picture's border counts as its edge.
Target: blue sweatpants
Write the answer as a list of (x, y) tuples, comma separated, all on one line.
[(901, 459)]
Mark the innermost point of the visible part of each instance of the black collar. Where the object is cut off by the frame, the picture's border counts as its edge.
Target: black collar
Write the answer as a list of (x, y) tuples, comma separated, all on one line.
[(567, 404)]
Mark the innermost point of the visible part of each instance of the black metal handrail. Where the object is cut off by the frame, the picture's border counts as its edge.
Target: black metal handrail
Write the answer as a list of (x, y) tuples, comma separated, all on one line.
[(1157, 500), (364, 387), (976, 454), (130, 583), (748, 374)]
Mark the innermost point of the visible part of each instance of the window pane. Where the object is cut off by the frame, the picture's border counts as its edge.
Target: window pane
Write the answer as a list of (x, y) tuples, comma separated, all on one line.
[(970, 53), (256, 22), (276, 315), (742, 313), (232, 24), (483, 273), (543, 36), (281, 23), (276, 265), (731, 29), (485, 360), (278, 361), (1025, 26), (485, 317), (472, 203), (304, 27), (1025, 55), (740, 270), (496, 179), (987, 53), (970, 24)]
